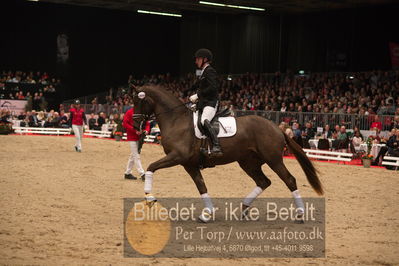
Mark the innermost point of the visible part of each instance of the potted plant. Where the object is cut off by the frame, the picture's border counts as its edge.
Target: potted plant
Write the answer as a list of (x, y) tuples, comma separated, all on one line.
[(6, 128), (366, 159), (118, 135)]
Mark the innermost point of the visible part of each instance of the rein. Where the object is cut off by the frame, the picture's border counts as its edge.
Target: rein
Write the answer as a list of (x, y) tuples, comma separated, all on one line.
[(148, 117)]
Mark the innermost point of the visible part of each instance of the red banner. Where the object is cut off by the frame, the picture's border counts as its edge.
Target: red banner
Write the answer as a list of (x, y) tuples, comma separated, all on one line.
[(394, 50)]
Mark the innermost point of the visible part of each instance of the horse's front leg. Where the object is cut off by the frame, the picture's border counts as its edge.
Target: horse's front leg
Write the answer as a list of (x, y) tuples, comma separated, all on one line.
[(169, 160), (196, 175)]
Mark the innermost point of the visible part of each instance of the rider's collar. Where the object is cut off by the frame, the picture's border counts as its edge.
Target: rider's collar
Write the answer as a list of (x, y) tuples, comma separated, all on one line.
[(205, 66)]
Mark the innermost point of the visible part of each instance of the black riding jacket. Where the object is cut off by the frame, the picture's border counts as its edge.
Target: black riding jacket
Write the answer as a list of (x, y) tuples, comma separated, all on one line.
[(207, 88)]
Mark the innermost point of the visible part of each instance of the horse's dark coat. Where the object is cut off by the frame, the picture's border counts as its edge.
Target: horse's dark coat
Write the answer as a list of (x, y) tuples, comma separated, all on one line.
[(256, 142)]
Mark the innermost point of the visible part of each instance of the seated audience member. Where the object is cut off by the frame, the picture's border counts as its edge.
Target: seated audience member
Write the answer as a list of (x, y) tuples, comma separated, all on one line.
[(307, 134), (50, 114), (5, 116), (289, 131), (282, 126), (297, 134), (376, 137), (64, 123), (92, 122), (55, 120), (395, 122), (376, 123), (327, 133), (21, 116), (356, 129), (342, 138), (47, 122), (336, 131), (33, 120), (295, 129), (100, 121), (342, 135), (41, 116), (391, 146), (357, 139), (25, 121)]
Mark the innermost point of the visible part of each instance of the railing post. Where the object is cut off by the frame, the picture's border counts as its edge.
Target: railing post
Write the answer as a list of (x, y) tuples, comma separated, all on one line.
[(353, 121), (277, 121)]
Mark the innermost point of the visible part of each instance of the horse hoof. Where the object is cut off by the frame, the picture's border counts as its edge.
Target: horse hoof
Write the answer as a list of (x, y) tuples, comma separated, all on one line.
[(150, 200), (244, 213), (205, 217), (300, 219)]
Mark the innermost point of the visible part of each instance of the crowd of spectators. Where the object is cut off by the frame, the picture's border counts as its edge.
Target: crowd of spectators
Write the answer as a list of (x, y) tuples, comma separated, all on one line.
[(338, 138), (368, 94), (38, 88), (28, 78), (364, 93), (36, 118), (52, 119)]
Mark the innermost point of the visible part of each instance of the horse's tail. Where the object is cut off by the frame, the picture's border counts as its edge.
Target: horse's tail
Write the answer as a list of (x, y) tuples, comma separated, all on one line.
[(306, 164)]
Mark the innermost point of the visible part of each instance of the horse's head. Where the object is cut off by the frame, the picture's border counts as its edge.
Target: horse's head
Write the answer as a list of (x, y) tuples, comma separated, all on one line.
[(143, 108)]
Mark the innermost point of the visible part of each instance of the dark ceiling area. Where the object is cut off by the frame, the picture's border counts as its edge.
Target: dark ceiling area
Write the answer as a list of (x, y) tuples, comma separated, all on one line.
[(180, 6)]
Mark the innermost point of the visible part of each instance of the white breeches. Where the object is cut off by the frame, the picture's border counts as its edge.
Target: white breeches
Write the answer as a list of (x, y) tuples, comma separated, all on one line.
[(134, 159), (208, 113), (78, 131)]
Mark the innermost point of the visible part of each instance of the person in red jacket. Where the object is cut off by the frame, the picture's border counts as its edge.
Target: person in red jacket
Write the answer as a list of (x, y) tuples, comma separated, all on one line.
[(77, 117), (133, 138), (376, 123)]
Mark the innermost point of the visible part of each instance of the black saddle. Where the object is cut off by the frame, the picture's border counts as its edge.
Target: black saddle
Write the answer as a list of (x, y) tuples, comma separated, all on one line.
[(215, 120)]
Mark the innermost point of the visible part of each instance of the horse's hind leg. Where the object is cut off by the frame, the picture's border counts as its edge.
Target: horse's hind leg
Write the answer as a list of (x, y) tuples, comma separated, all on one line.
[(253, 167), (282, 171)]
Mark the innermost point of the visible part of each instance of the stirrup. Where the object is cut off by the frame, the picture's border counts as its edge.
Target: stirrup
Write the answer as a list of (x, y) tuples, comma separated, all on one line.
[(216, 151)]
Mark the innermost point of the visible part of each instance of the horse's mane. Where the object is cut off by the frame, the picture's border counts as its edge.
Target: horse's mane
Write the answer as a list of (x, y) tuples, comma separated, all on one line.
[(161, 95)]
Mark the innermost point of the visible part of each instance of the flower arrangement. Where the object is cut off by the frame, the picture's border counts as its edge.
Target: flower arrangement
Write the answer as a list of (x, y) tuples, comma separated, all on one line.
[(6, 128), (367, 157), (118, 133)]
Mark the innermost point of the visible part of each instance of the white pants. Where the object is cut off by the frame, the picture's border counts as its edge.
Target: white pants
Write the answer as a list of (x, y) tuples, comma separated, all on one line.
[(78, 131), (134, 159), (208, 113)]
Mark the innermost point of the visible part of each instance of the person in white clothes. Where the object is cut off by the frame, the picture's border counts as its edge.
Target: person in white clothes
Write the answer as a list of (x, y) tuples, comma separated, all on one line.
[(77, 118), (133, 138)]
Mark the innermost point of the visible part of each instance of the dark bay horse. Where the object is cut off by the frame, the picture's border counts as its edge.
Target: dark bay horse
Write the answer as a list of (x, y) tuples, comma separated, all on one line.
[(256, 142)]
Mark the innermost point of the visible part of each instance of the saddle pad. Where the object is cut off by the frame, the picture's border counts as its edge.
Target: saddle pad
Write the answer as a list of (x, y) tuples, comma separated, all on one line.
[(229, 128)]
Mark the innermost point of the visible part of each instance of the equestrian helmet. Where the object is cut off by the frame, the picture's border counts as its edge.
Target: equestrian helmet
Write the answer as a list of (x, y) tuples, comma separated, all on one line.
[(204, 53)]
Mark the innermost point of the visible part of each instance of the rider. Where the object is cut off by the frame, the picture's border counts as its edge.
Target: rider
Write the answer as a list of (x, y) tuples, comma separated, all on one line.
[(207, 95)]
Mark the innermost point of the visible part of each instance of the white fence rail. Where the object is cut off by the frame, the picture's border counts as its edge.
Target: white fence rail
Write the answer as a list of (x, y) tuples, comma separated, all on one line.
[(42, 130), (97, 133), (392, 161), (329, 155)]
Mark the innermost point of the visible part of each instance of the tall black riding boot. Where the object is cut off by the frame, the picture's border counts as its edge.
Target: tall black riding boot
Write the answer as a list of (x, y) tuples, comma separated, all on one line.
[(216, 151)]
